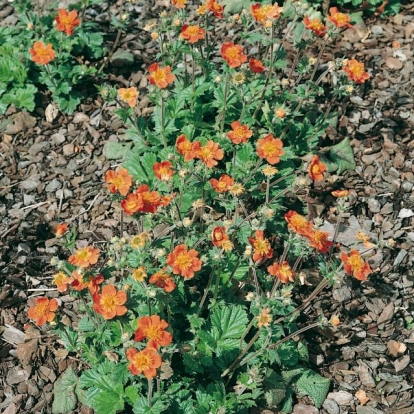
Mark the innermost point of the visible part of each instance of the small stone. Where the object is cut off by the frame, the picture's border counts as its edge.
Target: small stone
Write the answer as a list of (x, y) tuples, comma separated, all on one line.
[(16, 375), (368, 410), (58, 138), (401, 363), (341, 397), (393, 63), (364, 128), (304, 409), (377, 30), (407, 186), (80, 118), (331, 406), (54, 185), (68, 149), (374, 205)]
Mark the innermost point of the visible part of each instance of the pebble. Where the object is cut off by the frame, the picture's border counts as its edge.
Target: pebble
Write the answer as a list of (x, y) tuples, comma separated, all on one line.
[(58, 138), (364, 128), (374, 205), (407, 186), (54, 185), (304, 409), (368, 410), (68, 149), (377, 30), (331, 406), (341, 397)]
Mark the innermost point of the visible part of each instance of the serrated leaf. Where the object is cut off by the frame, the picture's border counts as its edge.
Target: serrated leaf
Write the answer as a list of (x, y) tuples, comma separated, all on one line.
[(235, 6), (116, 150), (313, 385), (340, 157), (107, 402), (85, 325), (65, 399), (21, 97), (140, 166), (141, 407)]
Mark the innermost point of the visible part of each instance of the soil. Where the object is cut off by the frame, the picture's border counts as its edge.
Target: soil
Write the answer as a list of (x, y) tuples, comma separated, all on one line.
[(52, 171)]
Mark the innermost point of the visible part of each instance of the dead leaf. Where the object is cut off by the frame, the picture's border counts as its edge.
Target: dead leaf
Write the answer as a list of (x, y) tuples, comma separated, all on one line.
[(401, 363), (386, 314), (112, 356), (13, 335), (362, 397), (51, 113), (395, 348), (26, 351)]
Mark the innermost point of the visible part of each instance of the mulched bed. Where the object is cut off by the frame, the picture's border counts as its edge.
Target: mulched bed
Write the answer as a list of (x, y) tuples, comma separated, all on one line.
[(53, 171)]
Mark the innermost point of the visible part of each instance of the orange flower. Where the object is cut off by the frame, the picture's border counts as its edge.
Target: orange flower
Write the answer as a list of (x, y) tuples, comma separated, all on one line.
[(132, 204), (78, 282), (166, 200), (109, 303), (139, 274), (219, 236), (151, 199), (240, 133), (355, 264), (84, 257), (143, 362), (153, 328), (340, 193), (93, 283), (298, 223), (186, 148), (339, 19), (160, 77), (319, 240), (216, 8), (316, 169), (41, 53), (66, 22), (210, 153), (356, 71), (223, 184), (43, 311), (120, 180), (233, 54), (192, 33), (163, 280), (129, 95), (264, 318), (270, 148), (61, 229), (179, 4), (163, 170), (184, 262), (266, 12), (261, 246), (280, 112), (315, 25), (256, 66), (283, 272), (61, 281)]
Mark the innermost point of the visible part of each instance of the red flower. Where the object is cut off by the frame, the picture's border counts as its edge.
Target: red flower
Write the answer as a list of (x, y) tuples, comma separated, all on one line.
[(219, 236), (43, 311), (163, 170), (109, 303), (270, 148), (223, 184), (240, 133), (192, 33), (61, 229), (160, 77), (184, 262), (186, 148), (151, 199), (62, 281), (298, 223), (316, 169), (319, 240), (283, 272), (355, 71), (84, 257), (210, 153), (355, 264), (339, 19), (256, 66), (143, 362), (129, 95), (67, 21), (41, 53), (118, 181), (216, 8), (132, 204), (315, 25), (163, 280), (264, 13), (179, 4), (261, 246), (233, 54), (153, 328)]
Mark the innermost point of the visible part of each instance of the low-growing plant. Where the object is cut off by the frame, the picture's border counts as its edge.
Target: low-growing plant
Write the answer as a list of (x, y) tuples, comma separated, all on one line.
[(196, 312)]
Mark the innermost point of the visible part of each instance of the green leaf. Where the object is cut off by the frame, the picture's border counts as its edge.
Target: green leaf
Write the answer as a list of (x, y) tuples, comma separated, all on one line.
[(340, 158), (235, 6), (64, 392), (86, 325), (141, 406), (116, 150), (140, 166), (107, 402), (21, 97), (313, 385)]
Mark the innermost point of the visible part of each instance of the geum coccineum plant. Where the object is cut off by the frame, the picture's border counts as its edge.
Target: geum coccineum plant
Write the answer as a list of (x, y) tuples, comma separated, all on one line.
[(194, 311)]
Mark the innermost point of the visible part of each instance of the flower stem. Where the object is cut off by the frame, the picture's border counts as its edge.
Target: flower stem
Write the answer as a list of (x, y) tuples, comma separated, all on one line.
[(150, 393), (206, 290), (223, 113), (164, 139)]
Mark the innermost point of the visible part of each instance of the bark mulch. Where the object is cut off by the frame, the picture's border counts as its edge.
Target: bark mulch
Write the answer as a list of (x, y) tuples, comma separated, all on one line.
[(53, 171)]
